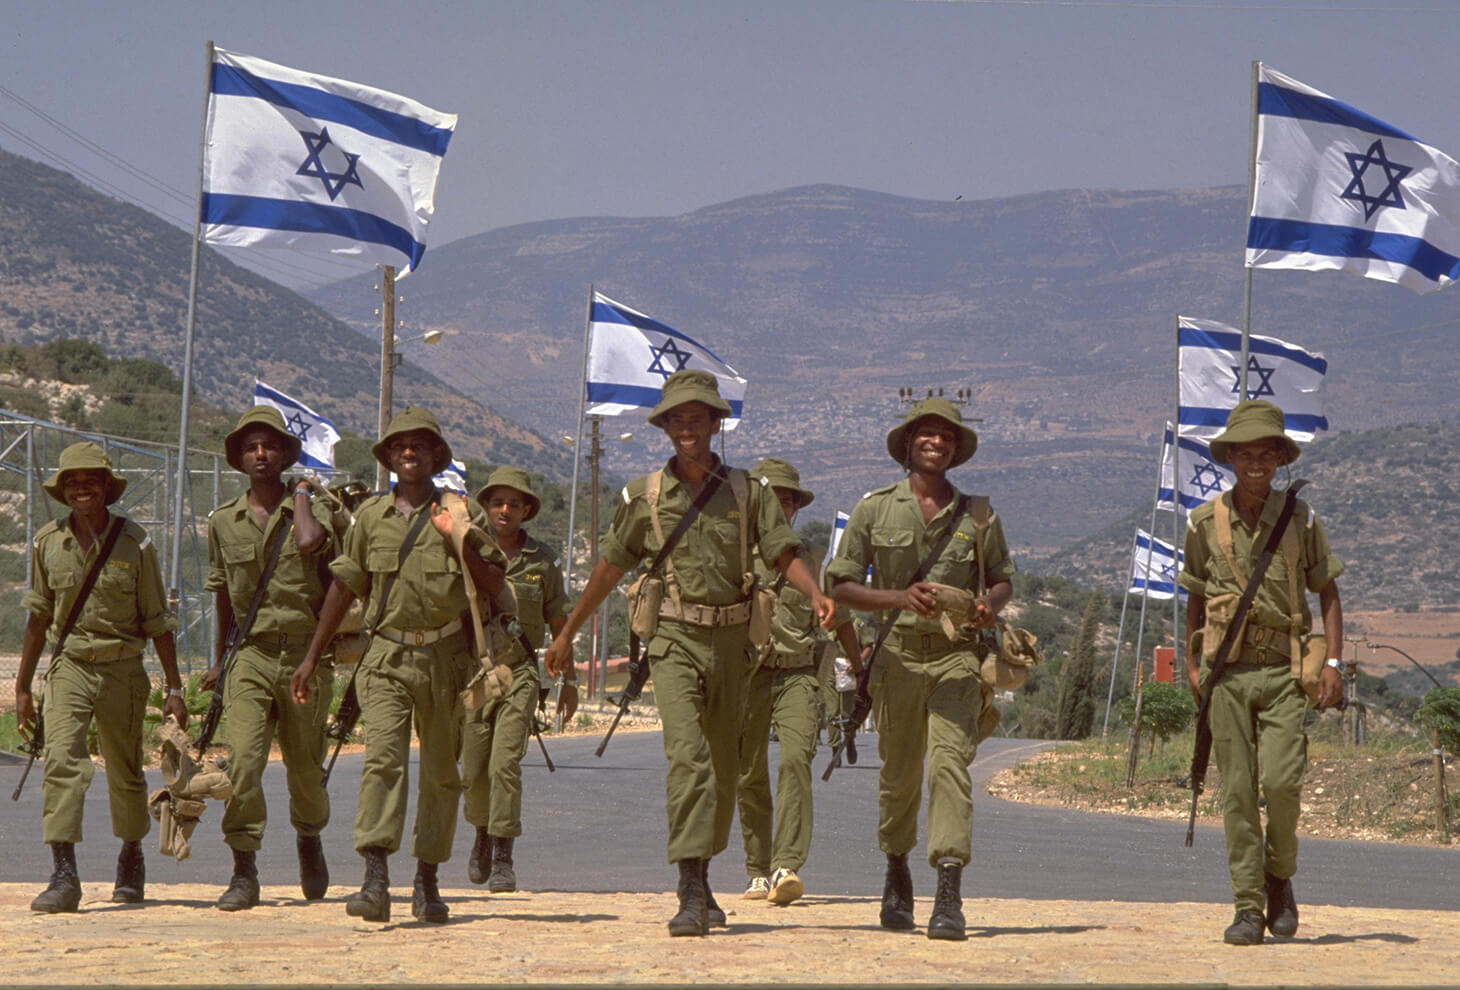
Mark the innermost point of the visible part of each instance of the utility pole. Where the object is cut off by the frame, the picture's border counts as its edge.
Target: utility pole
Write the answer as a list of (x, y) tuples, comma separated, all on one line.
[(388, 359)]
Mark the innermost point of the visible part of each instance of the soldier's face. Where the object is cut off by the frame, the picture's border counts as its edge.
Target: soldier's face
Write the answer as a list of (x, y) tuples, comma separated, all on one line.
[(261, 452), (689, 427), (412, 454), (790, 501), (85, 490), (506, 508), (1255, 463), (931, 445)]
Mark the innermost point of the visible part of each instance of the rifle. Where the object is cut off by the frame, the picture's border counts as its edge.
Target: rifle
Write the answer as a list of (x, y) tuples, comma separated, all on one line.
[(209, 725), (638, 674), (1201, 757), (537, 726), (33, 748)]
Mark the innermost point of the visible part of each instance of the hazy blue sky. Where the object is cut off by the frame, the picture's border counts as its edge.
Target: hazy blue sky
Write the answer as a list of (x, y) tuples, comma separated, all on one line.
[(650, 107)]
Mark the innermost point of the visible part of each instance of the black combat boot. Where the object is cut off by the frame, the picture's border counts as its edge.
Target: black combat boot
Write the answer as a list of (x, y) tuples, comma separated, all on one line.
[(946, 921), (1282, 908), (1245, 929), (314, 872), (243, 889), (372, 900), (714, 916), (503, 880), (897, 895), (692, 918), (63, 895), (131, 874), (426, 902), (480, 863)]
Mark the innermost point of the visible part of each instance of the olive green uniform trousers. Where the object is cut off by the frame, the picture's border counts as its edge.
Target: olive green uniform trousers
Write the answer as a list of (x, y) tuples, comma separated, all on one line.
[(927, 697), (495, 739), (115, 695), (786, 698), (399, 685), (257, 706), (1259, 708), (699, 678)]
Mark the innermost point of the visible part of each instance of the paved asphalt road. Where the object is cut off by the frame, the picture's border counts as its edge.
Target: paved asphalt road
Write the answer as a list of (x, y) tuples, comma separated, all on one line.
[(599, 825)]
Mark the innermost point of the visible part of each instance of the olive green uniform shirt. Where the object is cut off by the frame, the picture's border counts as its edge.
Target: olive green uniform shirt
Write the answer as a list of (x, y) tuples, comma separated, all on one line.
[(794, 627), (125, 609), (538, 582), (236, 549)]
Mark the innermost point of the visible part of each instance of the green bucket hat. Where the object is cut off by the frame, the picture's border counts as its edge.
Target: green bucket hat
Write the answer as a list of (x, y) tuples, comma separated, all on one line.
[(689, 386), (515, 479), (1254, 419), (780, 474), (408, 419), (266, 416), (944, 410), (85, 456)]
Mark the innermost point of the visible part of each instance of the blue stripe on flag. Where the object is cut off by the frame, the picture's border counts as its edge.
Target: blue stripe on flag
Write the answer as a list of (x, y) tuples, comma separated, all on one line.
[(309, 218), (1335, 241), (1279, 101), (1208, 416), (1187, 336), (607, 313), (385, 124), (1188, 501), (641, 395)]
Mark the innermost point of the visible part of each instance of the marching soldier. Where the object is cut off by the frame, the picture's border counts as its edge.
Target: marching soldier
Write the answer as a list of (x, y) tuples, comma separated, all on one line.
[(417, 665), (926, 690), (783, 693), (1258, 704), (700, 654), (242, 537), (495, 736), (96, 596)]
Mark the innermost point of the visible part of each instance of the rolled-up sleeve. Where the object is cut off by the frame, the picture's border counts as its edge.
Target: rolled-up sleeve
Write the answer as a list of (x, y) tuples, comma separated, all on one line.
[(39, 600), (151, 601), (349, 567), (850, 562), (623, 544), (1323, 566), (1193, 575)]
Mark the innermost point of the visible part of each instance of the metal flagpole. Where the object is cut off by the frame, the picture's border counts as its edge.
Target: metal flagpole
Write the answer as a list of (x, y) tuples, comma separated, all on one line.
[(387, 365), (578, 445), (1119, 642), (174, 579), (1247, 269)]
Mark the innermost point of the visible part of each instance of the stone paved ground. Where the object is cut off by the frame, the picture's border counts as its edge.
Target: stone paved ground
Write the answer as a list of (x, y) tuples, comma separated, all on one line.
[(179, 938)]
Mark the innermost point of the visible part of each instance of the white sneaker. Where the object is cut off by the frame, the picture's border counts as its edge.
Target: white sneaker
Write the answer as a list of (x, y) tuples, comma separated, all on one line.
[(758, 889), (785, 887)]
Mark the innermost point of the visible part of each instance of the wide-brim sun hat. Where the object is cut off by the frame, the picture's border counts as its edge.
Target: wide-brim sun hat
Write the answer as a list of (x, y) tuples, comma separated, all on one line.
[(942, 409), (517, 480), (408, 419), (1250, 421), (692, 385), (85, 456), (270, 418), (781, 474)]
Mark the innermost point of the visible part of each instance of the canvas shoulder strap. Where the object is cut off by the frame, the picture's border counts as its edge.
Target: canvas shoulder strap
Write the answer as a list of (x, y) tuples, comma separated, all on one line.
[(980, 512), (651, 494), (740, 488), (113, 534), (1291, 550), (271, 561)]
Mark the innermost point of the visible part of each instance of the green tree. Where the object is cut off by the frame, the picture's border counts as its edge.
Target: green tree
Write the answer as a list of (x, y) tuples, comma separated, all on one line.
[(1441, 711), (1166, 710), (1075, 713)]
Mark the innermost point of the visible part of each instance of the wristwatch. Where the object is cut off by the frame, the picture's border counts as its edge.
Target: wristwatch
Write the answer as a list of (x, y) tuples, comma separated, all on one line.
[(1333, 662), (175, 692)]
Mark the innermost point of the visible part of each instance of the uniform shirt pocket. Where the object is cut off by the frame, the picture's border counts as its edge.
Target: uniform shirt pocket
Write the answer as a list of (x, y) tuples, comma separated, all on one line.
[(893, 550), (238, 553)]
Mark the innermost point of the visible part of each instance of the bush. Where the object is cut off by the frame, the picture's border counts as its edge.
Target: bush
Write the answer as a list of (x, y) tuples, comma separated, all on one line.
[(1440, 711)]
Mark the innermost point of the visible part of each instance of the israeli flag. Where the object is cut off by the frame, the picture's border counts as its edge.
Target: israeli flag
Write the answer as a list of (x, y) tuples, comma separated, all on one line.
[(317, 435), (1154, 566), (1208, 363), (1202, 479), (292, 159), (1337, 189), (838, 528), (452, 479), (630, 356)]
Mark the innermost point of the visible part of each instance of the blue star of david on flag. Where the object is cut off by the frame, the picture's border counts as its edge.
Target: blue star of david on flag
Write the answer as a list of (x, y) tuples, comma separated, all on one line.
[(295, 424), (1394, 173), (1206, 479), (334, 182), (1264, 378), (679, 357)]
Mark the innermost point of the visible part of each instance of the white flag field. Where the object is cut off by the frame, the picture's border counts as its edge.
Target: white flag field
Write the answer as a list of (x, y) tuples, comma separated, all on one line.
[(1202, 479), (1338, 189), (630, 356), (1154, 567), (838, 527), (452, 477), (1208, 361), (317, 435), (296, 160)]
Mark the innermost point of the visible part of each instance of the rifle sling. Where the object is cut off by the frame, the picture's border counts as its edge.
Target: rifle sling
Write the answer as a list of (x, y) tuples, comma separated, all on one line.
[(85, 592), (412, 534), (271, 561)]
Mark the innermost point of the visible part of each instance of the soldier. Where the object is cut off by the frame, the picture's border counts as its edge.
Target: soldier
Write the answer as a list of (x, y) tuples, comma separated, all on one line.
[(418, 662), (256, 692), (495, 736), (96, 670), (1257, 696), (926, 691), (783, 693), (700, 651)]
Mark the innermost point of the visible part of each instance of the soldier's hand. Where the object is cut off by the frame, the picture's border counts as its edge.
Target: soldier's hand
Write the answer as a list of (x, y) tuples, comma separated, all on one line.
[(1193, 678), (855, 663), (210, 677), (441, 519), (174, 706), (568, 700), (299, 686), (983, 616), (558, 657), (921, 599), (1330, 688), (825, 610), (24, 713)]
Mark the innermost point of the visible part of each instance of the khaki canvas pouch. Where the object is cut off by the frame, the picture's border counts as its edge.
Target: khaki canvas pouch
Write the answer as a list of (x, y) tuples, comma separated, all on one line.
[(645, 596)]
